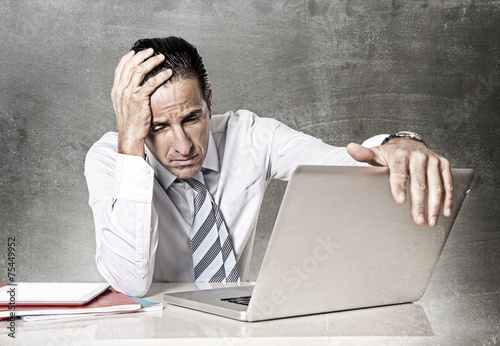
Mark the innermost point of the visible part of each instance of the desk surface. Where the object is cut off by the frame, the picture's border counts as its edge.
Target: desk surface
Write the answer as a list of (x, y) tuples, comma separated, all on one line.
[(448, 320)]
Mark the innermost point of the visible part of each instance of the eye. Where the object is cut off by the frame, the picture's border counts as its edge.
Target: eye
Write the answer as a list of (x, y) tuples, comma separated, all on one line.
[(192, 119), (157, 128)]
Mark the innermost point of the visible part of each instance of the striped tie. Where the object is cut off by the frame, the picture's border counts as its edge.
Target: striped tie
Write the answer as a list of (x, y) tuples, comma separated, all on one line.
[(213, 255)]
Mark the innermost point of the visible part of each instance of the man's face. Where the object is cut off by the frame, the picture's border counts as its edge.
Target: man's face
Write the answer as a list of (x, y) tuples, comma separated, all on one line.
[(179, 131)]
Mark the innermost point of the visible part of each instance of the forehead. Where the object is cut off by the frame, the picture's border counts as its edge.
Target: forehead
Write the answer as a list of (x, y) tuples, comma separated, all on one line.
[(179, 96)]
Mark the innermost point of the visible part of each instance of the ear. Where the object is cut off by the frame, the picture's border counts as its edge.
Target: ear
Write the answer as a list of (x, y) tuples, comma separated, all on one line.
[(210, 99)]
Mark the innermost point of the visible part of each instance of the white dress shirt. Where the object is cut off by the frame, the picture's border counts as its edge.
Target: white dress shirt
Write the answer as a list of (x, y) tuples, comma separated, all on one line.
[(143, 215)]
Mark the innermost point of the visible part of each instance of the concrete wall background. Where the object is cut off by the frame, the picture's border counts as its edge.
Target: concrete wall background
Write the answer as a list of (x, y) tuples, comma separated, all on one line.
[(339, 70)]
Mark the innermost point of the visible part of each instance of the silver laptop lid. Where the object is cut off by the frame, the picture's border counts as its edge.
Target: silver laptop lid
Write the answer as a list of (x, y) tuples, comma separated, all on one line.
[(341, 242)]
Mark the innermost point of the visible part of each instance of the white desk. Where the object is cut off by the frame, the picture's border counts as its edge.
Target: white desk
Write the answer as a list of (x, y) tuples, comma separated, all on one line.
[(429, 322)]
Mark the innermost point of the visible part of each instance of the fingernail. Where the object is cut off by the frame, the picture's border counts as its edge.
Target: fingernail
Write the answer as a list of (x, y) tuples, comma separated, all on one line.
[(447, 212), (420, 219), (433, 221)]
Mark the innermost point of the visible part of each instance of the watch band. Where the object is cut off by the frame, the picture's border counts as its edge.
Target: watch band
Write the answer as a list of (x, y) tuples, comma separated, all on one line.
[(405, 134)]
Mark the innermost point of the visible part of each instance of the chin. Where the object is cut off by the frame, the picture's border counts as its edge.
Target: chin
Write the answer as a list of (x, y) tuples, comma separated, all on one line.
[(187, 172)]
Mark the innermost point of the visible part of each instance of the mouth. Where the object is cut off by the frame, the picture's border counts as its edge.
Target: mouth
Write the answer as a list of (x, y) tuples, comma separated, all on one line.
[(185, 162)]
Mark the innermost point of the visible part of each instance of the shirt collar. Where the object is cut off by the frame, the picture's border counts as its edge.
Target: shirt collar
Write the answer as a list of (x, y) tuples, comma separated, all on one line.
[(166, 178)]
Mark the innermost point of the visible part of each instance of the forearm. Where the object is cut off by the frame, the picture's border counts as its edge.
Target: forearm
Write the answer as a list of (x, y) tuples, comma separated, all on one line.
[(291, 148), (128, 239), (120, 195)]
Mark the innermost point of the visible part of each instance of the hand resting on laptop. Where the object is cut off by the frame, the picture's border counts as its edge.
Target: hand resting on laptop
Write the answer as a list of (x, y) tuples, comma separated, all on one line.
[(411, 159)]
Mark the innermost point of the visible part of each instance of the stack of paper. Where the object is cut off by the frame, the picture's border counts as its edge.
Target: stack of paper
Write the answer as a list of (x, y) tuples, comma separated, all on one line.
[(43, 301)]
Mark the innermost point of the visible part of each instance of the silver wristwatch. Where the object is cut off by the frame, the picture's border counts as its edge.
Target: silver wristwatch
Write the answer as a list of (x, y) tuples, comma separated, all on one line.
[(405, 134)]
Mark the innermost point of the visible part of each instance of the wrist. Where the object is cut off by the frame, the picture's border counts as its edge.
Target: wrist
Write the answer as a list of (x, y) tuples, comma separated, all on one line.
[(130, 146), (405, 134)]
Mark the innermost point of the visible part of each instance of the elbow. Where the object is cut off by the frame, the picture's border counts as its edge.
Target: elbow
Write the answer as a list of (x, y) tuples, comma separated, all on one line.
[(126, 280), (137, 290)]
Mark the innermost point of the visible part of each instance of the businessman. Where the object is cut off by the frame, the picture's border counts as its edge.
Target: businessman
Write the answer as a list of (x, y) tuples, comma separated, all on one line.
[(176, 192)]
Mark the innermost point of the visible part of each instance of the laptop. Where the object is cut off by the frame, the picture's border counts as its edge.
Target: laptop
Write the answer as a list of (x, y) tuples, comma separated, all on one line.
[(339, 242)]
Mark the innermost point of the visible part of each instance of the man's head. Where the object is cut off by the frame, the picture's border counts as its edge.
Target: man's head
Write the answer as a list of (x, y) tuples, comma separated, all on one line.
[(181, 57), (179, 131)]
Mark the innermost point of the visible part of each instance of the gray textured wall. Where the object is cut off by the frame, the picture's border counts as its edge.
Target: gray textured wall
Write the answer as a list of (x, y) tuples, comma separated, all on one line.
[(340, 70)]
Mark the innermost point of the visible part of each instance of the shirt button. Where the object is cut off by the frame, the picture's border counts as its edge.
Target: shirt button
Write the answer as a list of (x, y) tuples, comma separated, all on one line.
[(146, 170), (145, 187)]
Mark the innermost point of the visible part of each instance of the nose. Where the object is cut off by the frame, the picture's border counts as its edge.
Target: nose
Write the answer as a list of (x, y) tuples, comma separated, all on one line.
[(181, 143)]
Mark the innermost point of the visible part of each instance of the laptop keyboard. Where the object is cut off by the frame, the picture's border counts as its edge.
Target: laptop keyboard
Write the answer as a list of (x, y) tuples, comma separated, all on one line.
[(238, 300)]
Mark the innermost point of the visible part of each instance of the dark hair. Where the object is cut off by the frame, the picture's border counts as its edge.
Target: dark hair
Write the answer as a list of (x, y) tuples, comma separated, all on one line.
[(181, 57)]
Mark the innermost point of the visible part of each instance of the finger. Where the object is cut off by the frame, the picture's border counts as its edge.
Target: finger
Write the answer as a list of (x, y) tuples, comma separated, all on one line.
[(130, 64), (398, 166), (448, 187), (119, 67), (363, 154), (435, 194), (141, 70), (418, 182), (115, 95), (154, 83)]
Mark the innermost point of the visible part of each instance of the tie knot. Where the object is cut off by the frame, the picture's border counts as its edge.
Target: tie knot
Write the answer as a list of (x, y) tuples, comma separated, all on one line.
[(195, 184)]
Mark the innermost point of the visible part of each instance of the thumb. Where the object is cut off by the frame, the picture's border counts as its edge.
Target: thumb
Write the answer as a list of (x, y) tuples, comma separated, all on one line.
[(363, 154)]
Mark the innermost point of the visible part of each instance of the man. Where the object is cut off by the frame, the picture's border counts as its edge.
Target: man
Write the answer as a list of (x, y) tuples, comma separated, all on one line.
[(172, 161)]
